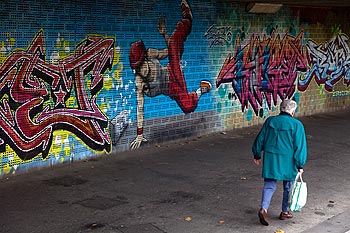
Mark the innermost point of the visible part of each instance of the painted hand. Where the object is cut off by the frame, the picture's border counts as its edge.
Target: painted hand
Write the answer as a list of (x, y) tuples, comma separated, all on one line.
[(161, 26), (137, 142)]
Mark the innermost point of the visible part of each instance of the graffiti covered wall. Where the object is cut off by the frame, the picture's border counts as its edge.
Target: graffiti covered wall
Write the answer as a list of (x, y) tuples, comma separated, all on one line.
[(273, 57), (79, 79)]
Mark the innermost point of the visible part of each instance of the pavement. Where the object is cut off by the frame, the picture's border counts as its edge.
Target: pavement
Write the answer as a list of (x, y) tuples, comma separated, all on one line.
[(206, 184)]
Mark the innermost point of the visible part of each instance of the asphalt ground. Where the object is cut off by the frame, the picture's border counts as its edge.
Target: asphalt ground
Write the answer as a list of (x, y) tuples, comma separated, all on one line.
[(206, 184)]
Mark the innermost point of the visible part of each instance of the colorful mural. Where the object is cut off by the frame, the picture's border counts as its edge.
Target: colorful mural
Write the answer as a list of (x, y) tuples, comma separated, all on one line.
[(264, 69), (153, 79), (271, 68), (328, 63), (79, 79), (34, 95)]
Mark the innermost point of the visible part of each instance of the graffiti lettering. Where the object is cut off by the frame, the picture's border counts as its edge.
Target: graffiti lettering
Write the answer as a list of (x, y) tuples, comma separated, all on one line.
[(218, 35), (329, 63), (33, 94), (264, 68)]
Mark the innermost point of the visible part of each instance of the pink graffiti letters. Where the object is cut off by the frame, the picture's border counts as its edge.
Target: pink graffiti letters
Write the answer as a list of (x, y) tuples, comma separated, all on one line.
[(264, 69), (33, 95)]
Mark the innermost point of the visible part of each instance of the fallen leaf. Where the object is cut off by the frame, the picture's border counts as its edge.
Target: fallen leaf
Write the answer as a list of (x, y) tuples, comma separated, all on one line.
[(188, 219), (279, 231)]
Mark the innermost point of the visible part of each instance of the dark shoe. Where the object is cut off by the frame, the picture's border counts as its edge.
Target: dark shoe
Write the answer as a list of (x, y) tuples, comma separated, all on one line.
[(285, 215), (263, 217)]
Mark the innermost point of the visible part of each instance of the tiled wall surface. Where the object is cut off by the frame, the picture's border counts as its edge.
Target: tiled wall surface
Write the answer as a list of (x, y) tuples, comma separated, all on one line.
[(74, 83)]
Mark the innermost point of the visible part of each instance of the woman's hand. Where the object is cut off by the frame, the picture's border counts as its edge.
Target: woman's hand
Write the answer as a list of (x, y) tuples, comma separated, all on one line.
[(257, 161)]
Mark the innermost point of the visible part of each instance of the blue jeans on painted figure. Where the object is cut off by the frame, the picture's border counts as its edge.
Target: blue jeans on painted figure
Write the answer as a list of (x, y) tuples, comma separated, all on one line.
[(270, 186)]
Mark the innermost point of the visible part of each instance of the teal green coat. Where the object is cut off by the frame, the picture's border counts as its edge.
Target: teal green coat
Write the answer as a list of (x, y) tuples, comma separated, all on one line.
[(283, 140)]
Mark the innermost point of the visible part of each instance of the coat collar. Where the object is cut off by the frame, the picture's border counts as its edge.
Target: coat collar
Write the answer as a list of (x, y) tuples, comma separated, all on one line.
[(285, 113)]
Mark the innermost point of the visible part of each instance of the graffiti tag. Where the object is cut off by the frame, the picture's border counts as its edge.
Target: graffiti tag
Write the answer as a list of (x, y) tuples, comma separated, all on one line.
[(219, 35)]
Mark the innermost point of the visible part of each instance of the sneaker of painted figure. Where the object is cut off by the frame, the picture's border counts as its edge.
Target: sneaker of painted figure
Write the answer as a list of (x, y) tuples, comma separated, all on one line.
[(186, 10), (205, 86)]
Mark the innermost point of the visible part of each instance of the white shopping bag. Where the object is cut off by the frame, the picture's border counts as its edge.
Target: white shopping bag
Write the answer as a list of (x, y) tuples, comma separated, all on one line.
[(298, 194)]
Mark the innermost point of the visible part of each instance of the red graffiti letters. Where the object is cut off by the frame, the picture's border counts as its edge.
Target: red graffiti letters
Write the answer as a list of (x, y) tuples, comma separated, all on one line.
[(33, 95)]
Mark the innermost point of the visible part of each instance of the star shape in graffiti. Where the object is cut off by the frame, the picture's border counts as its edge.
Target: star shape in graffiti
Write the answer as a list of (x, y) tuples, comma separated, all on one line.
[(60, 96)]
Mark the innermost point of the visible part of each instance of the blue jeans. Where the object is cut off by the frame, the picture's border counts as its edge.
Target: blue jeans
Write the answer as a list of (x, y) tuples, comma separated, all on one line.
[(270, 186)]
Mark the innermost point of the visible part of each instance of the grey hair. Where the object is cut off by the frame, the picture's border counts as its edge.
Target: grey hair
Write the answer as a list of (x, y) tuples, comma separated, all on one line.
[(288, 106)]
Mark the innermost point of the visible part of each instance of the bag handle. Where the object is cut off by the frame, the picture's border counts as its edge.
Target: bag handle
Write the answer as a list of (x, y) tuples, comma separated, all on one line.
[(299, 177)]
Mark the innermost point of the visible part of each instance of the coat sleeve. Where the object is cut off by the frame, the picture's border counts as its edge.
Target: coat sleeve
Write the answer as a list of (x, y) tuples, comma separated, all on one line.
[(300, 146), (258, 144)]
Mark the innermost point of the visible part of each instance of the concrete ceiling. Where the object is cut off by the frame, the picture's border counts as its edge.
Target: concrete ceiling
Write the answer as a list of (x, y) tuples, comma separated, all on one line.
[(301, 3)]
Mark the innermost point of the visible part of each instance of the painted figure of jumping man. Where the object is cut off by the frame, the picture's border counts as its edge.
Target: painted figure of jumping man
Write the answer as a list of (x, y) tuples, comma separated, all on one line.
[(153, 79)]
